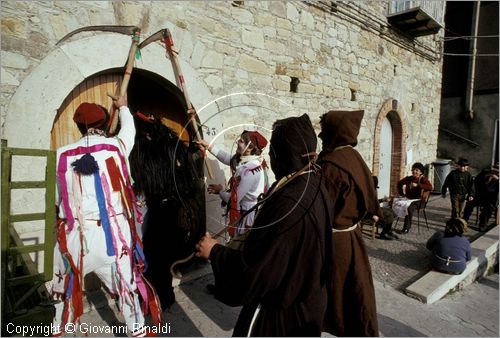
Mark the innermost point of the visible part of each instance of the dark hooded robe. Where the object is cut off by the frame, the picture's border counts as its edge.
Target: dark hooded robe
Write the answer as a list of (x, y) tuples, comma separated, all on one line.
[(350, 185), (282, 269)]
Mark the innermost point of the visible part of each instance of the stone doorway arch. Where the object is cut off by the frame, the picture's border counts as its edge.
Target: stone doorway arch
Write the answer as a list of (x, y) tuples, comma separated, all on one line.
[(147, 93), (35, 104), (393, 111)]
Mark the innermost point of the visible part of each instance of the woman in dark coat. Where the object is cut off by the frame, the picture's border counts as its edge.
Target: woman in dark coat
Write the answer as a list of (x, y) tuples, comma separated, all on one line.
[(450, 251), (280, 276), (351, 188)]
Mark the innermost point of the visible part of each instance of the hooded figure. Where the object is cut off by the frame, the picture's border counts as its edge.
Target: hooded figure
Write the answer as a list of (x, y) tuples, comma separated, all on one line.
[(280, 276), (350, 186)]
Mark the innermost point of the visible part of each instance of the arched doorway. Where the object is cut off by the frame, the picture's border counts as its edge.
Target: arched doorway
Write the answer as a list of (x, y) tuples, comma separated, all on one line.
[(389, 147), (147, 93)]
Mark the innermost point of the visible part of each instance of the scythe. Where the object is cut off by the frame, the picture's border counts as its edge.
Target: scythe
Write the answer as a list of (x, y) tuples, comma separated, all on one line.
[(128, 30), (166, 37)]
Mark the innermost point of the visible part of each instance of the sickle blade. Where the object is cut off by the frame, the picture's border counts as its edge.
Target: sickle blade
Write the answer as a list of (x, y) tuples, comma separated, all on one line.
[(127, 30)]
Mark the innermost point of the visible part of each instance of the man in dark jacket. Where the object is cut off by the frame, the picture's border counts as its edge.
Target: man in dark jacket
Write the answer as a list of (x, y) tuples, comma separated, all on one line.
[(461, 186), (350, 186), (486, 189), (280, 276)]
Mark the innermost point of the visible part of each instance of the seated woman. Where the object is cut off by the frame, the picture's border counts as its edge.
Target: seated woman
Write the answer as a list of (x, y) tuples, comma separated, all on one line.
[(450, 251), (413, 187)]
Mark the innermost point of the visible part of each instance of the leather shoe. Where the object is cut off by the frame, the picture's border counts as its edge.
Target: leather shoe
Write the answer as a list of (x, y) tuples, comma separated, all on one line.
[(393, 235), (384, 236)]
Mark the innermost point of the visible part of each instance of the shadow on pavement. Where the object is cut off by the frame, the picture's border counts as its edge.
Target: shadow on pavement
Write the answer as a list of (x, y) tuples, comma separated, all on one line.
[(488, 282), (180, 323), (220, 314), (389, 327), (100, 301)]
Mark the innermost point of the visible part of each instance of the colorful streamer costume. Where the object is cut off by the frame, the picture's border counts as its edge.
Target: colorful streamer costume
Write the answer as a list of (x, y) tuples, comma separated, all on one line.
[(248, 182), (96, 227)]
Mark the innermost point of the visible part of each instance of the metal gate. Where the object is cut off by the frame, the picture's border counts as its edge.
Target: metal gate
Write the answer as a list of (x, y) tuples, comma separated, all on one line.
[(24, 297)]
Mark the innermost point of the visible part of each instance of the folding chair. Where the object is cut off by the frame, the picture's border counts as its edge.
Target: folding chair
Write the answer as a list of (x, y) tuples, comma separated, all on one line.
[(426, 194), (424, 199)]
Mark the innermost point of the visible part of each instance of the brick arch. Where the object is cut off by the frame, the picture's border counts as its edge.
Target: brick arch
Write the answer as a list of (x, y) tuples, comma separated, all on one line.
[(393, 110)]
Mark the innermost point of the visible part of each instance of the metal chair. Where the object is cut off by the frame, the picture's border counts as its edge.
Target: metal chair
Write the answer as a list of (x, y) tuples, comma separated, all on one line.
[(426, 194), (424, 199)]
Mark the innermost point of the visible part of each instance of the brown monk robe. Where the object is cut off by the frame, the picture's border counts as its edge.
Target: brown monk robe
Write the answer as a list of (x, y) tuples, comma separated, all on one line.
[(280, 276), (350, 185)]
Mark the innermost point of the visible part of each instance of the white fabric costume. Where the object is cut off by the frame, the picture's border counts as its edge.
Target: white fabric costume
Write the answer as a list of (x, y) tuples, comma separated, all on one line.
[(87, 235), (251, 181)]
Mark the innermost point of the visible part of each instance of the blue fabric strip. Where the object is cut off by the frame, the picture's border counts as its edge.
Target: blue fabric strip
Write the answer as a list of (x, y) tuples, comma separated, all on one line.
[(103, 213)]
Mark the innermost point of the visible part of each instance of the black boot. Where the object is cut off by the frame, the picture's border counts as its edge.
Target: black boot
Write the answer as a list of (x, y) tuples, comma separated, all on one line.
[(385, 236), (407, 226), (393, 235)]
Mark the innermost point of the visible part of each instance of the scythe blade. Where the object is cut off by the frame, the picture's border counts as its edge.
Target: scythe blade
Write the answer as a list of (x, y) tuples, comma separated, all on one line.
[(155, 37), (127, 30)]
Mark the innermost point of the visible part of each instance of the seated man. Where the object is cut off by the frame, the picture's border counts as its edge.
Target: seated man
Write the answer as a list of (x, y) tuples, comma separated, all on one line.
[(450, 251), (385, 222), (413, 185)]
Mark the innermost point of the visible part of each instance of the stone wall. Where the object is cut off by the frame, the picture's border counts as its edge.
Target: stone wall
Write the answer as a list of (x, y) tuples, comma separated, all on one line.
[(473, 139), (259, 47), (344, 57)]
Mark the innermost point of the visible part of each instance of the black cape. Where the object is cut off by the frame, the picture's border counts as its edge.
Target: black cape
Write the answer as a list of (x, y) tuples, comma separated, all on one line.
[(283, 265)]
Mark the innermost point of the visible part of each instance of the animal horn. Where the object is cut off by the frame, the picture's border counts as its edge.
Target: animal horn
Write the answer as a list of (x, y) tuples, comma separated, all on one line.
[(127, 30)]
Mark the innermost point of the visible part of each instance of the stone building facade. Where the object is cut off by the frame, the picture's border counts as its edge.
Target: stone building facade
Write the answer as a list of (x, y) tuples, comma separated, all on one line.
[(239, 61)]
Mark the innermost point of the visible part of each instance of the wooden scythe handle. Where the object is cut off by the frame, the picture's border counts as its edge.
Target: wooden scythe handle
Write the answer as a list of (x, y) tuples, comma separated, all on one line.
[(126, 78), (169, 42)]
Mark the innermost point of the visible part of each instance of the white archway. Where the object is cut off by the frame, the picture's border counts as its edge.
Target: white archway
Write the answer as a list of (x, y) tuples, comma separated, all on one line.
[(34, 105)]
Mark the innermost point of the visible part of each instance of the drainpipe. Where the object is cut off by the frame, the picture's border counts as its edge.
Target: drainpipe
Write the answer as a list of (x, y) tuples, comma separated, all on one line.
[(495, 146), (472, 64)]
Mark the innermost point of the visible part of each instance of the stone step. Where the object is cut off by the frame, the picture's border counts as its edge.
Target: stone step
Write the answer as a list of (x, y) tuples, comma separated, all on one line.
[(435, 285)]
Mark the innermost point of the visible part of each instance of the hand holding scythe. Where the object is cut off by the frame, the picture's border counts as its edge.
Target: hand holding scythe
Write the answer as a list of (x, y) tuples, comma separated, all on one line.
[(128, 30)]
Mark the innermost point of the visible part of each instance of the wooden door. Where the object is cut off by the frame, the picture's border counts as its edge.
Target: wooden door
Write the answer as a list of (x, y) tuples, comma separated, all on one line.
[(93, 89), (145, 94)]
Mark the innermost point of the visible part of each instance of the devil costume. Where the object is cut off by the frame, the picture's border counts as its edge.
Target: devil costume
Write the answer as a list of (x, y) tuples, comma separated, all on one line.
[(96, 226), (280, 276), (351, 188)]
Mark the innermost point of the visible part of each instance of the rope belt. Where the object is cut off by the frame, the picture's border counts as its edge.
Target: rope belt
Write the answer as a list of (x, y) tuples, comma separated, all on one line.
[(448, 260), (345, 230)]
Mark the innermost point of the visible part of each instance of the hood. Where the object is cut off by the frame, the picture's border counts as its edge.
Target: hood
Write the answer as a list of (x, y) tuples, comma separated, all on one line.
[(340, 128), (291, 140)]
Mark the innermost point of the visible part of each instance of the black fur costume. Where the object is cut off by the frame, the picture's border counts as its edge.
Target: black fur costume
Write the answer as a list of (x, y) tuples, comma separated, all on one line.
[(166, 173)]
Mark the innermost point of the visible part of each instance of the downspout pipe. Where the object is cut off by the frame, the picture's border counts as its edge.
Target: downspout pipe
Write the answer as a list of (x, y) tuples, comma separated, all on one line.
[(472, 64)]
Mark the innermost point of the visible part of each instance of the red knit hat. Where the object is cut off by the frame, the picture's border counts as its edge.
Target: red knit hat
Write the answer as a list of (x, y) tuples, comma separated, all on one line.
[(90, 115), (257, 139)]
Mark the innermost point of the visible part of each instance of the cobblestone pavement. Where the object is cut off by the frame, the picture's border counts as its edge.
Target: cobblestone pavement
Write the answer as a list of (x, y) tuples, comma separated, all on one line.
[(472, 312), (400, 262)]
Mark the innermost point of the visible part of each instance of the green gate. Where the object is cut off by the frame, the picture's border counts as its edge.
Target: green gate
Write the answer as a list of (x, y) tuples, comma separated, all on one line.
[(25, 300)]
